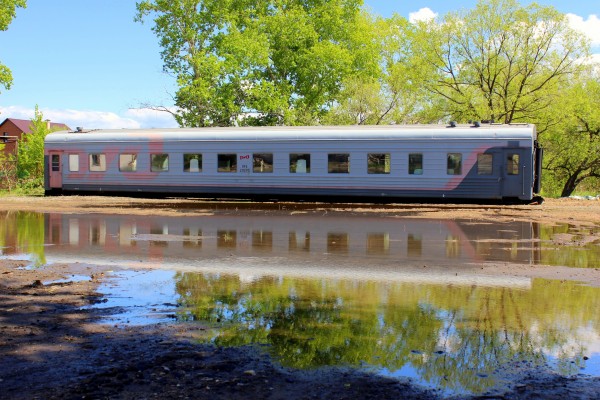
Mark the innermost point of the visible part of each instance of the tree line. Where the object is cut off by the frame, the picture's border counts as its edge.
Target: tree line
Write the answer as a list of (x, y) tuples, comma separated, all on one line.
[(333, 62)]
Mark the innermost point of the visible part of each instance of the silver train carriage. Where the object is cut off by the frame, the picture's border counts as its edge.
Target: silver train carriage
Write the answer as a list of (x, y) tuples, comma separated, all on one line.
[(489, 161)]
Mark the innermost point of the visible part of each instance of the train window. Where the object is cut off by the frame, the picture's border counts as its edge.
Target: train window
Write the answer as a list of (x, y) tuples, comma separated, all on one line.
[(97, 162), (414, 245), (378, 243), (227, 163), (299, 241), (56, 162), (512, 164), (192, 163), (415, 164), (484, 164), (454, 164), (338, 163), (226, 239), (74, 162), (192, 237), (262, 162), (299, 163), (159, 162), (127, 162), (338, 243), (378, 163)]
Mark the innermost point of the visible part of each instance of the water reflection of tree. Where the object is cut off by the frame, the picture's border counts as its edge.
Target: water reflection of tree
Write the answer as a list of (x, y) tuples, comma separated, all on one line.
[(24, 231), (453, 336), (586, 256)]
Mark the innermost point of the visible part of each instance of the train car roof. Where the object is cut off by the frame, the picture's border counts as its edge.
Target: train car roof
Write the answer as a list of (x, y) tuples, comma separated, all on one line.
[(272, 133)]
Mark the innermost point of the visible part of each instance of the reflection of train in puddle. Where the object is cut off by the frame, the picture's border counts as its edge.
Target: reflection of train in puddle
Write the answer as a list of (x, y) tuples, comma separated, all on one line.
[(255, 245)]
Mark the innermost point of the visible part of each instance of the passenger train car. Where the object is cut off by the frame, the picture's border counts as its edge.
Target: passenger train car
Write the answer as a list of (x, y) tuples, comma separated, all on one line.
[(487, 161)]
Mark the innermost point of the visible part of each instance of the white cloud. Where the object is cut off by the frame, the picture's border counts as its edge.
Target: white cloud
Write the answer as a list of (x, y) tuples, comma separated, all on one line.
[(595, 61), (590, 26), (152, 118), (131, 119), (424, 14)]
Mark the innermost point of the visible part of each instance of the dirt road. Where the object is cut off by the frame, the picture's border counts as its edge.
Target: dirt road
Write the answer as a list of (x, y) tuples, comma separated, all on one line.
[(581, 212)]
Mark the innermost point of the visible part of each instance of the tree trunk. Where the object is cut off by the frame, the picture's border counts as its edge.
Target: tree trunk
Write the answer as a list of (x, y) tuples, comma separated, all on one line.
[(570, 186)]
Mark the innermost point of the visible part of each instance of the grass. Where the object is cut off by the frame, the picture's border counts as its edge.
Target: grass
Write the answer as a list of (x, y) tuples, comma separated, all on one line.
[(38, 191)]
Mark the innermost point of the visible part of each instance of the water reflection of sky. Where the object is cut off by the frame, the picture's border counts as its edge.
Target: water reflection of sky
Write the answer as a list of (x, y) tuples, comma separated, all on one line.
[(399, 297), (140, 297)]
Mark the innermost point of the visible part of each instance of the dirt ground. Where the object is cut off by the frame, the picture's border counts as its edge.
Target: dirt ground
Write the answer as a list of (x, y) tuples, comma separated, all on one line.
[(578, 212), (52, 346)]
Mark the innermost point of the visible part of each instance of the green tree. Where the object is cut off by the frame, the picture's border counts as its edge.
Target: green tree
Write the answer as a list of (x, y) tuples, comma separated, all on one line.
[(8, 11), (30, 152), (393, 92), (573, 144), (501, 61), (8, 176), (279, 62)]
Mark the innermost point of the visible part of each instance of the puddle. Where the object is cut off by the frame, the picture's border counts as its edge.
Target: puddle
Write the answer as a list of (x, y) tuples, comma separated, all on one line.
[(71, 278), (180, 241), (397, 297), (139, 297), (458, 338)]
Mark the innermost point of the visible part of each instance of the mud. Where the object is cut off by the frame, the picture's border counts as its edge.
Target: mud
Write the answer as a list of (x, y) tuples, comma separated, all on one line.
[(580, 212)]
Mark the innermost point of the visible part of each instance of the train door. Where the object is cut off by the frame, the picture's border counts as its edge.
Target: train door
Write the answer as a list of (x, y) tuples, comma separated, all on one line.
[(513, 174), (55, 168)]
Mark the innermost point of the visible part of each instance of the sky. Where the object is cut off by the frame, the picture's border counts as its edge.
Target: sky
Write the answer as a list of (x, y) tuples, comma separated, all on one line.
[(87, 63)]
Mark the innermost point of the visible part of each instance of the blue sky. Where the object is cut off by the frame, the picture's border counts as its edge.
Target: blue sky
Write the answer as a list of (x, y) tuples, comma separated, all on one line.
[(87, 63)]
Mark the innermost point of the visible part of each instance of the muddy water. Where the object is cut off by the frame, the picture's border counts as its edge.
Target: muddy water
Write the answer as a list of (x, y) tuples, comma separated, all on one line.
[(400, 297)]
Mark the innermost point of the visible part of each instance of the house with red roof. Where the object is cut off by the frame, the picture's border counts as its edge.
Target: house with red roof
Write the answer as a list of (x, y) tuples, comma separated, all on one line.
[(12, 129)]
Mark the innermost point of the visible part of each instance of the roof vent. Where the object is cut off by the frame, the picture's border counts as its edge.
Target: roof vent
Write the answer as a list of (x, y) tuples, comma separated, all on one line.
[(452, 124), (476, 124), (79, 129)]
